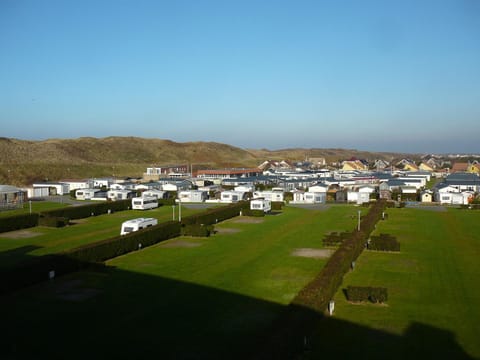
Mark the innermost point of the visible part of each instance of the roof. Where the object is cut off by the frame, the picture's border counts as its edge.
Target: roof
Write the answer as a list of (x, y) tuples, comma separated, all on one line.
[(459, 166), (9, 189)]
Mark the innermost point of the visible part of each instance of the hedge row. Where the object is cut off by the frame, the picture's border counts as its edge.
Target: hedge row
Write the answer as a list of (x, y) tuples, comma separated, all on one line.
[(383, 242), (197, 230), (286, 336), (110, 248), (212, 216), (253, 213), (367, 293), (83, 211), (16, 222)]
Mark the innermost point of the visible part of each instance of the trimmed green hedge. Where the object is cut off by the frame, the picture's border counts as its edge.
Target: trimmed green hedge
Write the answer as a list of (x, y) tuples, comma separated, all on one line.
[(16, 222), (383, 242), (366, 293), (197, 230), (335, 238), (52, 221), (120, 245), (212, 216), (83, 211)]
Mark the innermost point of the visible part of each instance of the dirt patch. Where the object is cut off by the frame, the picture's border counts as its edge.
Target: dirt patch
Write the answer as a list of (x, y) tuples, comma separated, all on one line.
[(313, 253), (20, 234), (247, 220), (226, 230), (180, 244)]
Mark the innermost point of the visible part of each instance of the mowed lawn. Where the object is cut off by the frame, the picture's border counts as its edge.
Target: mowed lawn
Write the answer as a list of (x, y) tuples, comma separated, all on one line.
[(433, 286), (18, 246), (186, 298)]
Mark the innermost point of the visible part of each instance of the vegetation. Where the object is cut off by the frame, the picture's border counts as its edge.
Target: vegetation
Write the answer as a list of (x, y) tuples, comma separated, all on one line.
[(433, 293), (184, 298)]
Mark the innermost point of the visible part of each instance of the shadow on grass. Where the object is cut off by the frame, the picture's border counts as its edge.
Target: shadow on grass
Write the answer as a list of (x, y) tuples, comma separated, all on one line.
[(112, 313)]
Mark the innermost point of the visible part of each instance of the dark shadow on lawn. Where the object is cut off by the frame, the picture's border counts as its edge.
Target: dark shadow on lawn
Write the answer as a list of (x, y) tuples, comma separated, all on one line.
[(116, 314)]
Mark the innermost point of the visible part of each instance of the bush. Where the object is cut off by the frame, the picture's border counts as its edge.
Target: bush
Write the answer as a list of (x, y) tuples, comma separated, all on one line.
[(212, 216), (253, 213), (53, 221), (277, 205), (383, 242), (366, 293), (335, 238), (197, 230), (16, 222)]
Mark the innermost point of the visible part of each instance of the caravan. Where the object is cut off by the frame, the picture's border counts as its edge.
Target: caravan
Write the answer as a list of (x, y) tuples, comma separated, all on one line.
[(137, 224), (144, 203)]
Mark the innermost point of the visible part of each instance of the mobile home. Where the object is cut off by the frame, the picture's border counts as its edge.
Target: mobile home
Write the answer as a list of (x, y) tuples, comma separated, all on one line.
[(137, 224), (144, 203), (261, 204)]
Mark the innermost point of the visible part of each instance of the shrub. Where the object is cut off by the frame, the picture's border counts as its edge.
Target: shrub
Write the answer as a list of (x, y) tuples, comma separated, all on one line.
[(53, 221), (277, 205), (253, 213), (366, 293), (83, 211), (383, 242), (16, 222), (197, 230)]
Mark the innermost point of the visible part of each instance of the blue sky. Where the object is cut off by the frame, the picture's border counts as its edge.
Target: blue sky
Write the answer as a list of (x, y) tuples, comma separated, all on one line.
[(370, 75)]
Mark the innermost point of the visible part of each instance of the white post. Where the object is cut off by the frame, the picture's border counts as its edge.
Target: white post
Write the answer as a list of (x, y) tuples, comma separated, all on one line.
[(179, 209), (30, 203), (173, 212)]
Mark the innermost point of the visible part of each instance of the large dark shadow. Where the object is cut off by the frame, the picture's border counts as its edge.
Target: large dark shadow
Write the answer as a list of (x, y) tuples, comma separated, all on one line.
[(118, 314), (110, 313)]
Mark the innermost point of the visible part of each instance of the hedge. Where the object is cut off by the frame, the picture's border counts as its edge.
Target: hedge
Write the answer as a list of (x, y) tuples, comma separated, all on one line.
[(383, 242), (335, 238), (212, 216), (52, 221), (367, 293), (197, 230), (287, 333), (16, 222), (83, 211), (123, 244), (253, 213)]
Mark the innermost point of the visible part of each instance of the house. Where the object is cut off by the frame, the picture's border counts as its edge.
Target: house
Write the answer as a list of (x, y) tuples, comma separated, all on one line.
[(426, 197), (245, 188), (358, 197), (302, 197), (53, 189), (232, 196), (174, 184), (463, 198), (425, 167), (459, 167), (275, 194), (384, 191), (103, 182), (121, 194), (464, 181), (228, 173), (86, 194), (261, 204), (76, 184), (474, 168), (11, 197), (159, 194), (192, 196), (354, 165), (318, 188), (155, 173)]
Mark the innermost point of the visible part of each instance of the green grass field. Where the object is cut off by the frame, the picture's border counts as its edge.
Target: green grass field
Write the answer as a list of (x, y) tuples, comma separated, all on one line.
[(17, 246), (433, 308), (37, 206), (184, 298)]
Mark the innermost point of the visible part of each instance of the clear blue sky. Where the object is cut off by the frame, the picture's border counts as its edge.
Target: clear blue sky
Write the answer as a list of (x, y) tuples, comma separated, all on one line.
[(371, 75)]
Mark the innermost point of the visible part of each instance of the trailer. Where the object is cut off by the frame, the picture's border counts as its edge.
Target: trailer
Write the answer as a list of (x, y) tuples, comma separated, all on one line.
[(144, 203), (137, 224)]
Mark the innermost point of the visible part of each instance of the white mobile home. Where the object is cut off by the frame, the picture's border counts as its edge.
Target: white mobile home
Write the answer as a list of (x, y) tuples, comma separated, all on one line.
[(232, 196), (137, 224), (120, 194), (261, 204), (159, 194), (86, 194), (193, 196), (273, 195), (144, 203), (301, 197)]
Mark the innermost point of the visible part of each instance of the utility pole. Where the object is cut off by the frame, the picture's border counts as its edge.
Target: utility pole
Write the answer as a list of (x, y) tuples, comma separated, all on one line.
[(359, 213)]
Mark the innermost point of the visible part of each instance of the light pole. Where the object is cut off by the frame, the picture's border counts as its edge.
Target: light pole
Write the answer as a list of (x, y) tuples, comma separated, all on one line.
[(173, 212), (179, 209)]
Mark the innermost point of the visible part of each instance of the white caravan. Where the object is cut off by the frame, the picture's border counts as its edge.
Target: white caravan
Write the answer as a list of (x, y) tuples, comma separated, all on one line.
[(137, 224), (144, 203)]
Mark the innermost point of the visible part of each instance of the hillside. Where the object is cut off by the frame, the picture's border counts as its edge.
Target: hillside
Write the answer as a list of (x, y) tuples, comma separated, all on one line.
[(23, 162)]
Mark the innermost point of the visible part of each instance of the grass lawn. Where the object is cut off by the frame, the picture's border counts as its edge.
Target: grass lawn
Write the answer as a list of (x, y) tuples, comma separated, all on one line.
[(17, 246), (433, 308), (185, 298)]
